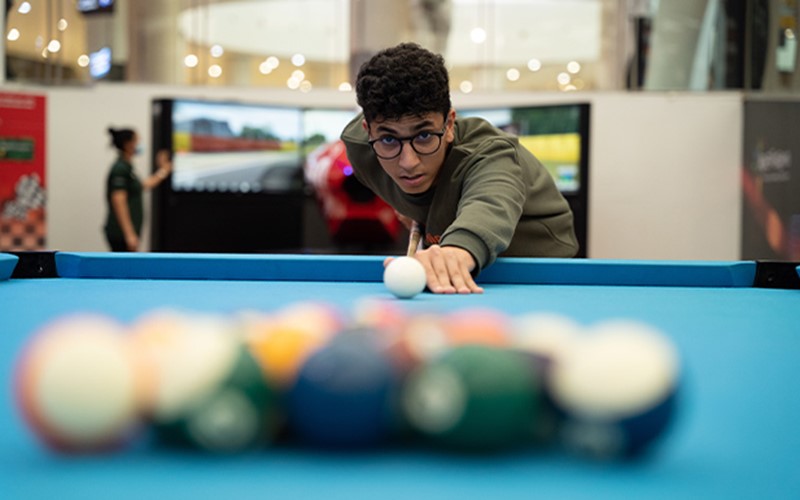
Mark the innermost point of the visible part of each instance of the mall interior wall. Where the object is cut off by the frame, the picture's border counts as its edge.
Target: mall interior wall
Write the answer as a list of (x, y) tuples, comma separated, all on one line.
[(664, 168)]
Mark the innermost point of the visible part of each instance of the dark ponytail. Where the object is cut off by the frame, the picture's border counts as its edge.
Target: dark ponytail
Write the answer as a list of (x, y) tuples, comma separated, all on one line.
[(120, 137)]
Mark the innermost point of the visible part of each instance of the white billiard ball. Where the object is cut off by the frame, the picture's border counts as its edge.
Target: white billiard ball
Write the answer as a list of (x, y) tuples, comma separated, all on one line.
[(404, 277)]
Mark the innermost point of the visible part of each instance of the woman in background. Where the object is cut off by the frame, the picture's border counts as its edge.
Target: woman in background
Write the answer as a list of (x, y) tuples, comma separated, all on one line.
[(124, 191)]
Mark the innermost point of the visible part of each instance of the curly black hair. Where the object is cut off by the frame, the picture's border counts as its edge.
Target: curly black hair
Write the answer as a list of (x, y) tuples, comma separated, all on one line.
[(405, 80)]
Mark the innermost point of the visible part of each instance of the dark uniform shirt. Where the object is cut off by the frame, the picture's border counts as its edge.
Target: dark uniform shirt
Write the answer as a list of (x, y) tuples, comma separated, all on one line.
[(123, 177)]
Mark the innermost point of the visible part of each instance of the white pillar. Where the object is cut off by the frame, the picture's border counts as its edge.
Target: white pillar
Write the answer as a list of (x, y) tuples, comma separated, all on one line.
[(153, 42), (375, 25), (674, 43)]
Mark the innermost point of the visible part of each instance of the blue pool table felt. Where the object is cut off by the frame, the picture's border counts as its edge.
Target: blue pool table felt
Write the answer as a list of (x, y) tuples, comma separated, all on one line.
[(736, 435)]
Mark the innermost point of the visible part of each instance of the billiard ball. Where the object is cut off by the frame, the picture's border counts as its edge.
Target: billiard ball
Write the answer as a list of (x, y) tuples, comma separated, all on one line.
[(343, 395), (618, 390), (473, 398), (78, 384), (282, 342), (422, 337), (208, 391), (480, 325), (546, 337), (386, 316), (404, 277), (316, 318)]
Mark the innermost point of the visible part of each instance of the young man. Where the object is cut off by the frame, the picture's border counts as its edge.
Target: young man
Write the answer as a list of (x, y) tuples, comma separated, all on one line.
[(472, 189)]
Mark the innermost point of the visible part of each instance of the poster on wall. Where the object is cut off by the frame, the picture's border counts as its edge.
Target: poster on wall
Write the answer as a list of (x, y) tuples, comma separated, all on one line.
[(771, 181), (22, 172)]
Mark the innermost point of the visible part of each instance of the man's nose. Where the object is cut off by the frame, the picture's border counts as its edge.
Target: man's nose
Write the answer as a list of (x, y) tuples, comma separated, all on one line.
[(408, 157)]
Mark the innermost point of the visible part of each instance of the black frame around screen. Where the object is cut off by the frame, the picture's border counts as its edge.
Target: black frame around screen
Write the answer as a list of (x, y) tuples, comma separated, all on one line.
[(269, 222)]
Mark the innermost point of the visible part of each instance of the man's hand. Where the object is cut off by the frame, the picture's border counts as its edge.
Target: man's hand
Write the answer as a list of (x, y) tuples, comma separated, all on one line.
[(448, 269)]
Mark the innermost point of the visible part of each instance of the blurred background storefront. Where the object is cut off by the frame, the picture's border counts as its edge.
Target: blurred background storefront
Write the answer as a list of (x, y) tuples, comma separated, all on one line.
[(490, 45), (687, 151)]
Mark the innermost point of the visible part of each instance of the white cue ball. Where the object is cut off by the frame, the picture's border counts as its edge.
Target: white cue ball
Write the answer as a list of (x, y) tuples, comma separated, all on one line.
[(404, 277)]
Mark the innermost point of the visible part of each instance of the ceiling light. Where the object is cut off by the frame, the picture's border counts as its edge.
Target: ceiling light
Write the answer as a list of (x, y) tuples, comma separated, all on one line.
[(273, 62), (477, 35)]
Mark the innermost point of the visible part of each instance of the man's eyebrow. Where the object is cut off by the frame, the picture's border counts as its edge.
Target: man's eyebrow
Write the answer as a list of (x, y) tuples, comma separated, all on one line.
[(417, 127)]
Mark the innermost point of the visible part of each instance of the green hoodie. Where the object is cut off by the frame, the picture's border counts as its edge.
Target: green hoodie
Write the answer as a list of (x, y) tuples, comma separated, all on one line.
[(492, 197)]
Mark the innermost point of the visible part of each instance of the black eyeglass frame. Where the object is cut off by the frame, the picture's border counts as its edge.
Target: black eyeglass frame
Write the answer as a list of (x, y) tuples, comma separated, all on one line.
[(410, 140)]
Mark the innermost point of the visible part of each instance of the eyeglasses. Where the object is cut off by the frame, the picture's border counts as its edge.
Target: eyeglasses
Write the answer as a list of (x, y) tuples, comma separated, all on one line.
[(424, 143)]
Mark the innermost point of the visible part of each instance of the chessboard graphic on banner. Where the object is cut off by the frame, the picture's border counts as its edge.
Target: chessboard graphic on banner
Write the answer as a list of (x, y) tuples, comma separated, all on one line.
[(22, 172)]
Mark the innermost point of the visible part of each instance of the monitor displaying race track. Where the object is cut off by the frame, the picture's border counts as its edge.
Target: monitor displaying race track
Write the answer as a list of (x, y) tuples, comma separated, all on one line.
[(235, 147), (554, 134), (242, 172)]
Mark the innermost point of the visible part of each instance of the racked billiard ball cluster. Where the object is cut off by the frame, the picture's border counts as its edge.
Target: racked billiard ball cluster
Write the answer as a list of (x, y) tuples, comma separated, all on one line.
[(473, 380)]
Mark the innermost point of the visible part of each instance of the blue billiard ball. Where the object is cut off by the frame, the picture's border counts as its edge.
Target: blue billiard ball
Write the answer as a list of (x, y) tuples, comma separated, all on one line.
[(343, 395)]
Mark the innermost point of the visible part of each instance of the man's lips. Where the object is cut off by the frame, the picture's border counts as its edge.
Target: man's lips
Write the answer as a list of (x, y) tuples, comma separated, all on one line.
[(412, 179)]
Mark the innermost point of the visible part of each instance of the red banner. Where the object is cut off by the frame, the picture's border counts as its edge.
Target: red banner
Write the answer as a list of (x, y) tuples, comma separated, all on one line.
[(22, 171)]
